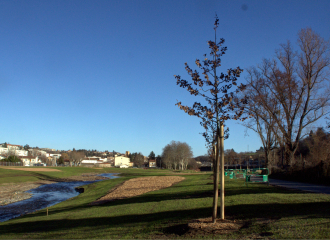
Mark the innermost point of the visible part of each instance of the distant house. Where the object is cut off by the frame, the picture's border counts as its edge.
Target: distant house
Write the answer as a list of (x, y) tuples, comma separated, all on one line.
[(91, 161), (13, 147), (29, 160), (67, 162), (21, 153), (3, 150), (152, 163), (121, 161), (13, 150), (104, 164)]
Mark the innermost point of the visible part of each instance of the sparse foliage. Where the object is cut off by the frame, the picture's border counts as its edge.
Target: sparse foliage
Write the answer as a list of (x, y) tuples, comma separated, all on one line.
[(221, 104)]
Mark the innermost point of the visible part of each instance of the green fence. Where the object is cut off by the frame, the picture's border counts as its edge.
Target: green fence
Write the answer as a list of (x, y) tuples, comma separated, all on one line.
[(249, 175)]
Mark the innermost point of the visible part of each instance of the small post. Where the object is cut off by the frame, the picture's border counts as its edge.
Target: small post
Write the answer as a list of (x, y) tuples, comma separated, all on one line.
[(47, 211)]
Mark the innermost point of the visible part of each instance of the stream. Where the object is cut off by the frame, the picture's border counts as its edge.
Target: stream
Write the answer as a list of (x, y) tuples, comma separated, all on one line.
[(45, 196)]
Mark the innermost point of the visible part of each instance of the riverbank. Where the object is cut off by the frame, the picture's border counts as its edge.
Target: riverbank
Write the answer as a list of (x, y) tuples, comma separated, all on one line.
[(15, 192)]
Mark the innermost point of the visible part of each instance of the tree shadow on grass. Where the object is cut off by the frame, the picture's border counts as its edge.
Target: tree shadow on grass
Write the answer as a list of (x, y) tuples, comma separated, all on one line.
[(164, 220), (41, 176), (160, 196)]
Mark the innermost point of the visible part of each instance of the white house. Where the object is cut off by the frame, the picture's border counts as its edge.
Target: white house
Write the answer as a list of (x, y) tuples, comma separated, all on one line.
[(3, 150), (29, 160), (21, 153), (13, 151), (121, 161), (55, 156), (89, 161), (13, 147)]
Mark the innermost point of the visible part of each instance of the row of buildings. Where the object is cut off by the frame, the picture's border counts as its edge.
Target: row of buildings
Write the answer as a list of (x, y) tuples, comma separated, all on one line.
[(28, 156), (116, 161), (50, 157)]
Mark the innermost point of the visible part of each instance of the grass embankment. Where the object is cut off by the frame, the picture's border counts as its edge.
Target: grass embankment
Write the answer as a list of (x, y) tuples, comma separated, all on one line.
[(265, 211)]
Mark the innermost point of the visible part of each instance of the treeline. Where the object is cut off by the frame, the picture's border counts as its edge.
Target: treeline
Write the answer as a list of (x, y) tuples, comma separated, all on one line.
[(311, 162)]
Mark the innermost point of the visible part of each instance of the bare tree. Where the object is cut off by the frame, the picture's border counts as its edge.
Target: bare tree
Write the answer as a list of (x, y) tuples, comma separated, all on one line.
[(221, 105), (184, 153), (176, 155), (231, 156), (261, 122), (76, 157), (293, 88)]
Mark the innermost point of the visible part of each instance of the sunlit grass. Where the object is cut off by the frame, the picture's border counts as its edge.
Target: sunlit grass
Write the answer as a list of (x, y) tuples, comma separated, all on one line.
[(266, 211)]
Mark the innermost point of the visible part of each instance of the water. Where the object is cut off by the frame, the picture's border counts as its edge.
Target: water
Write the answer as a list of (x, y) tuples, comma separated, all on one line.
[(45, 196)]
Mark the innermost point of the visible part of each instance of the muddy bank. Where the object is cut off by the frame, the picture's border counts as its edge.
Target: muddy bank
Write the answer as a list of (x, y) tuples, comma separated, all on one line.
[(46, 195), (15, 192)]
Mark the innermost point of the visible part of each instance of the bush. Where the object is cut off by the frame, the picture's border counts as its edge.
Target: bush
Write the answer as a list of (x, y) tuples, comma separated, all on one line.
[(11, 159)]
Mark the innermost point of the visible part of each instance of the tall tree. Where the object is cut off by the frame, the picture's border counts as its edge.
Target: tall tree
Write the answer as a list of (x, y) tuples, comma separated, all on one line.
[(152, 155), (159, 161), (138, 159), (261, 122), (221, 105), (293, 88)]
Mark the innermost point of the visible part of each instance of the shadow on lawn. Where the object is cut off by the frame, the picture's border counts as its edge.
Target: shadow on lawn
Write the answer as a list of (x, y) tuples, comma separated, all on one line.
[(169, 218), (41, 176), (157, 196)]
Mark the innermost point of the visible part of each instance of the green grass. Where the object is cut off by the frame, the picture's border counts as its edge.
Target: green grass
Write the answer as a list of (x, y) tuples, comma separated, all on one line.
[(266, 211)]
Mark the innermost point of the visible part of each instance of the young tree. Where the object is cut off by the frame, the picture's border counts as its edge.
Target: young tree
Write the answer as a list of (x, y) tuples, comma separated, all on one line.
[(222, 105), (60, 160), (293, 89)]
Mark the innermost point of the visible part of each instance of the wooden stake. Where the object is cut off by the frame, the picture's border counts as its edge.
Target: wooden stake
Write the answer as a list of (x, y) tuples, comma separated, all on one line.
[(47, 211), (222, 173)]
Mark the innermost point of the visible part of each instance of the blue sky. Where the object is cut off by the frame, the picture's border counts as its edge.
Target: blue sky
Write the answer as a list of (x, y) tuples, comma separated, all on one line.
[(99, 74)]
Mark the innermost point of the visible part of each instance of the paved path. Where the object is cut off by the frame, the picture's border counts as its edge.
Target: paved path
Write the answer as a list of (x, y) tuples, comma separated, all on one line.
[(300, 186)]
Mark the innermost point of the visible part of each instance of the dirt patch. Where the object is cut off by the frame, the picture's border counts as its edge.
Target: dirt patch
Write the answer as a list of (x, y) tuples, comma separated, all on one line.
[(203, 227), (42, 169), (221, 226), (15, 192), (138, 186)]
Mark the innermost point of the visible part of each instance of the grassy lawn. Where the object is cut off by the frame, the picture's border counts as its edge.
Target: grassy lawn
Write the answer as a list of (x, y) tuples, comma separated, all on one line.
[(266, 211)]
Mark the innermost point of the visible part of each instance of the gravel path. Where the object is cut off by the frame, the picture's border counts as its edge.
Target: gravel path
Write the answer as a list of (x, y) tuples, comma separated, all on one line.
[(300, 186), (138, 186)]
